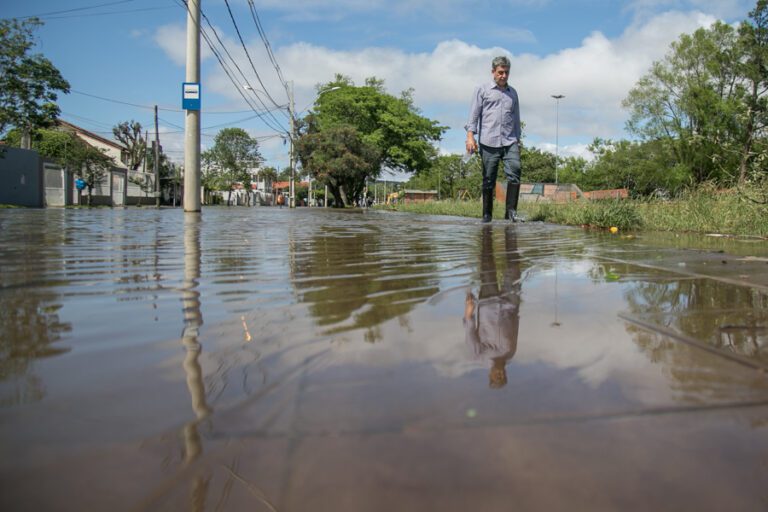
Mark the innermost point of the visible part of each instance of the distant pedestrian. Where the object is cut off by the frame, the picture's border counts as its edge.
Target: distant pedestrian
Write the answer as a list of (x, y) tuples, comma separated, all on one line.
[(280, 200), (495, 118)]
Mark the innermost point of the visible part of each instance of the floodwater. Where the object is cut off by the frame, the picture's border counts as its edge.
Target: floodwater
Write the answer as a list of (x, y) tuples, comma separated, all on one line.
[(317, 360)]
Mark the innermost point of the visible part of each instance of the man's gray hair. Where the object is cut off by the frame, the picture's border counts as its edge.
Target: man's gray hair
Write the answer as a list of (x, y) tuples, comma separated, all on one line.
[(500, 61)]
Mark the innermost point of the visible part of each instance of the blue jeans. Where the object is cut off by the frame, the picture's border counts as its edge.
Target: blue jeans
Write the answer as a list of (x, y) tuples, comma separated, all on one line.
[(509, 155)]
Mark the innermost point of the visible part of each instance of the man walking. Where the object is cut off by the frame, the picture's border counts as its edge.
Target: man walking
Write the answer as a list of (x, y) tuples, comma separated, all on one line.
[(495, 119)]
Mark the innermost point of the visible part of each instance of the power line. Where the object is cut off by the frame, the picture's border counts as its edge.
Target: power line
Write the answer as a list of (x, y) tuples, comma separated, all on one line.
[(151, 107), (247, 54), (86, 119), (250, 87), (111, 100), (245, 79), (228, 71), (67, 16), (77, 9), (263, 35)]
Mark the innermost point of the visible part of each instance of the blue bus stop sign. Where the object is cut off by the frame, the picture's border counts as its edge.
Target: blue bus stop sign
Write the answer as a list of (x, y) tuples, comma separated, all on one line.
[(80, 184), (190, 96)]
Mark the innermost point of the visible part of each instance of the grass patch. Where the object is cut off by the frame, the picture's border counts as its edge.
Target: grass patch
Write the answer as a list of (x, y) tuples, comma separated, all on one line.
[(704, 210), (597, 214)]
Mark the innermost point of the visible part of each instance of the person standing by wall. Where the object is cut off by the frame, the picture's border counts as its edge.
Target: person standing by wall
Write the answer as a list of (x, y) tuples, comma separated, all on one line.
[(495, 118)]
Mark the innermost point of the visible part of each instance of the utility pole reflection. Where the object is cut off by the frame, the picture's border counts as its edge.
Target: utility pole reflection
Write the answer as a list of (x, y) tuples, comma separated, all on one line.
[(193, 319)]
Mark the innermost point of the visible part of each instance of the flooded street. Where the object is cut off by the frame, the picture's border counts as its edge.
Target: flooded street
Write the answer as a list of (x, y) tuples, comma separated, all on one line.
[(319, 360)]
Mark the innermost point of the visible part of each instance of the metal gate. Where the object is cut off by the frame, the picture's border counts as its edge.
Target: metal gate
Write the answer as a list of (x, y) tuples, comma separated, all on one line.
[(118, 189), (53, 179)]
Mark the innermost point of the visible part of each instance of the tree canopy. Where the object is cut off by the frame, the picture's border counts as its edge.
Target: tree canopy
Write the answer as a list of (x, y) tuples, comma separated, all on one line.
[(233, 154), (29, 83), (339, 157), (707, 100), (129, 133), (384, 132)]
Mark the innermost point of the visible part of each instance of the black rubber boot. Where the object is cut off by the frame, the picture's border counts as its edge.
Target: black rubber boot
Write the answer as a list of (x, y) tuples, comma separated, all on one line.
[(487, 205), (513, 192)]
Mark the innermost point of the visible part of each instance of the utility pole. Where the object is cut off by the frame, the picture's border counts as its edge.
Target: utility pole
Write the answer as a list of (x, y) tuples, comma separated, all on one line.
[(157, 163), (192, 117), (557, 98), (146, 148), (291, 113)]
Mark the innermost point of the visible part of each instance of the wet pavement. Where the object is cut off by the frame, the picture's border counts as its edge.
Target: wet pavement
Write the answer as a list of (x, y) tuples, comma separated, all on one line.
[(318, 360)]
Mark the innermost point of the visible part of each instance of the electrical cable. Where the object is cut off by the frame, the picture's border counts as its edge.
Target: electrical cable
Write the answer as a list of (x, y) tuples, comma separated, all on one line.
[(228, 71), (68, 16), (111, 100), (229, 74), (247, 54), (265, 40), (65, 11)]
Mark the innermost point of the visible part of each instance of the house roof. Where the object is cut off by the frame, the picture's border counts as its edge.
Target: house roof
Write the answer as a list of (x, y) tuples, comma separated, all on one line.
[(287, 184), (78, 130)]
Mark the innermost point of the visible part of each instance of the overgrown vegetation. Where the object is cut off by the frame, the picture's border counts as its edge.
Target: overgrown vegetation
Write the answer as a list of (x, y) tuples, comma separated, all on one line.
[(703, 210)]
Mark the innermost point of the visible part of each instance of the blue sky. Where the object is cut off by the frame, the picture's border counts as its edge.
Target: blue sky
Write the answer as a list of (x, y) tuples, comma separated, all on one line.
[(591, 51)]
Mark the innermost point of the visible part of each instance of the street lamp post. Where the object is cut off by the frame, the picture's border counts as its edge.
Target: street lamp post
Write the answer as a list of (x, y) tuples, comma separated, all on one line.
[(292, 114), (557, 98)]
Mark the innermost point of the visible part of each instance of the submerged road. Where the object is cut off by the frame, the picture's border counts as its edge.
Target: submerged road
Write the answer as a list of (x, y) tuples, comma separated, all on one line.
[(318, 360)]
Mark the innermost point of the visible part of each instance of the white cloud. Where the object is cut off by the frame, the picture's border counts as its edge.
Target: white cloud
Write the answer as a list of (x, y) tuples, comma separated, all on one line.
[(338, 9), (172, 39), (580, 150), (594, 76), (725, 9)]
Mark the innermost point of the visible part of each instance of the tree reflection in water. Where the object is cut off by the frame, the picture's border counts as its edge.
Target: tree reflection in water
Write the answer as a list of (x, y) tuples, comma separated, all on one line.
[(729, 318), (29, 316), (362, 279)]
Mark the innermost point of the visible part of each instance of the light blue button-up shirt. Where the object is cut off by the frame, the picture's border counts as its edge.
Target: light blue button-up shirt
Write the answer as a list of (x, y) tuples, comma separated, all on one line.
[(495, 115)]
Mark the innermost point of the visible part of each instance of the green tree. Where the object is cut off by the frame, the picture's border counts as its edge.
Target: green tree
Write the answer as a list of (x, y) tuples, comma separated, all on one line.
[(28, 82), (573, 169), (393, 125), (538, 166), (386, 126), (284, 175), (92, 165), (641, 167), (129, 133), (693, 100), (450, 176), (213, 177), (339, 157), (753, 68), (268, 175), (234, 152)]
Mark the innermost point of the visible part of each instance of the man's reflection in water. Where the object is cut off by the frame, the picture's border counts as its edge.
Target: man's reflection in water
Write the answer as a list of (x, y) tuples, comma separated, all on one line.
[(492, 320), (193, 319)]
